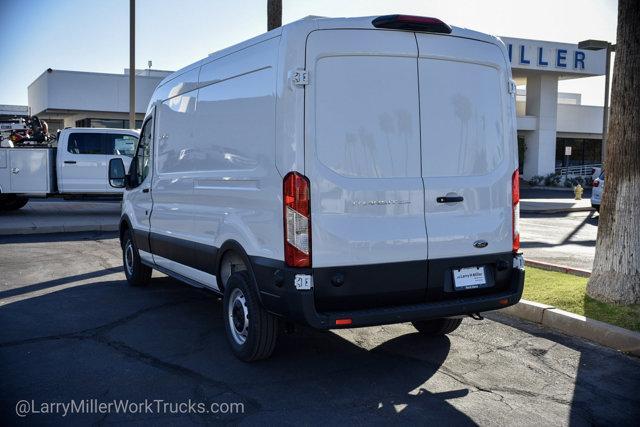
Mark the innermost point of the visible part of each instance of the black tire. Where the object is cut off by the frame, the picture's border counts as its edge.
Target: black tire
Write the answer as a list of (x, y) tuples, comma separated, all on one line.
[(11, 202), (251, 330), (437, 327), (136, 272)]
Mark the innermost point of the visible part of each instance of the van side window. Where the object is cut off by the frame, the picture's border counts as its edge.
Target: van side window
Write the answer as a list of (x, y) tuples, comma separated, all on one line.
[(143, 151)]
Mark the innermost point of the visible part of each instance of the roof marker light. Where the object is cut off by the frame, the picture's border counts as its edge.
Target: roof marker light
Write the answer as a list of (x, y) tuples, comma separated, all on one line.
[(413, 23)]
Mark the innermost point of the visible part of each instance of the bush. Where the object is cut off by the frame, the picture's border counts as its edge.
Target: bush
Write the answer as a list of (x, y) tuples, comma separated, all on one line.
[(574, 181), (552, 180), (536, 180)]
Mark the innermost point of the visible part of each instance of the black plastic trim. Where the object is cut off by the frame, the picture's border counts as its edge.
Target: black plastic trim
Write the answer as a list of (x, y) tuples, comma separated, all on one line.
[(192, 254), (276, 285), (141, 240)]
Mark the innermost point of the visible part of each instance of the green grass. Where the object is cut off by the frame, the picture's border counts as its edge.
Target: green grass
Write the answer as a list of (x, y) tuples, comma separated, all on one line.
[(568, 292)]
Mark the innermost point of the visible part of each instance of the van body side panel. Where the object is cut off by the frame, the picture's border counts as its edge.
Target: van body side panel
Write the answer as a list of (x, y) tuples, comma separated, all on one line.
[(237, 189), (215, 175), (466, 146), (362, 150)]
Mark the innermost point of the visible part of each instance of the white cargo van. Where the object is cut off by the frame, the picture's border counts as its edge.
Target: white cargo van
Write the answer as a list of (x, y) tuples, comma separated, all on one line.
[(76, 167), (335, 173)]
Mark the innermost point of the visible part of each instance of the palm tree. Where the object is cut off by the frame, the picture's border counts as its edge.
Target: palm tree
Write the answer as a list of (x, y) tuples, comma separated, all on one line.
[(616, 269), (274, 14)]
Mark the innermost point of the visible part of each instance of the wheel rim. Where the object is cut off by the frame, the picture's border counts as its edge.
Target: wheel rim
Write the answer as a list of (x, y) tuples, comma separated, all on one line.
[(128, 257), (238, 316)]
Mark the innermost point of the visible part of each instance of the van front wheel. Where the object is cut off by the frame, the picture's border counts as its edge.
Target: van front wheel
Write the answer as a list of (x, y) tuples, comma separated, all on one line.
[(437, 327), (136, 272), (251, 330)]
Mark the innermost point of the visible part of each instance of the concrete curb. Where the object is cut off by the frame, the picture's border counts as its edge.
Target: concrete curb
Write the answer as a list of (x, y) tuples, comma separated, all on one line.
[(49, 229), (554, 211), (542, 187), (558, 268), (578, 326)]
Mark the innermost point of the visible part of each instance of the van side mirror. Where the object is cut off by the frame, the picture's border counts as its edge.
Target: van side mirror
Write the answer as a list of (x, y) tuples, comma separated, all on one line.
[(117, 173)]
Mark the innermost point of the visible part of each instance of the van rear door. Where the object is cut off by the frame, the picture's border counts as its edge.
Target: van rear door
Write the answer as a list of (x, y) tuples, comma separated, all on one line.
[(467, 155), (362, 156)]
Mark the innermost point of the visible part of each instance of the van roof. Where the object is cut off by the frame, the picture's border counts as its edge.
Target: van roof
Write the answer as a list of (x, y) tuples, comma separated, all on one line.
[(324, 23)]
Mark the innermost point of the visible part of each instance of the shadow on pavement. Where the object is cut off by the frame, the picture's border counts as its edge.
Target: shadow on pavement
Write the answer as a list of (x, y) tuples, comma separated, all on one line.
[(605, 383), (107, 340), (58, 282), (530, 245), (58, 237)]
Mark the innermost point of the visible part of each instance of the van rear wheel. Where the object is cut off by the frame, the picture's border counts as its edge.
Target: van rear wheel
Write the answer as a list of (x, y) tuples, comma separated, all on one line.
[(251, 330), (136, 272), (437, 327)]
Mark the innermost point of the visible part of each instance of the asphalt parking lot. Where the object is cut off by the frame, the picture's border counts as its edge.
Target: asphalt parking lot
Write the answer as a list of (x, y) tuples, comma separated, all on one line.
[(72, 329), (567, 239)]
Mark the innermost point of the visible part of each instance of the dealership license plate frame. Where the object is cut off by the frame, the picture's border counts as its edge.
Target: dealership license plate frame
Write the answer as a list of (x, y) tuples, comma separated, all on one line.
[(469, 278)]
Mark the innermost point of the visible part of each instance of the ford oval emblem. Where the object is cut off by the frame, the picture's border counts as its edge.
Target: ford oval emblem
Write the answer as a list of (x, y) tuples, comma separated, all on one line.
[(480, 244)]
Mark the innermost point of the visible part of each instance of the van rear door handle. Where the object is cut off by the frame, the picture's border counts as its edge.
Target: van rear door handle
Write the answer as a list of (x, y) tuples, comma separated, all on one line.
[(449, 199), (70, 162)]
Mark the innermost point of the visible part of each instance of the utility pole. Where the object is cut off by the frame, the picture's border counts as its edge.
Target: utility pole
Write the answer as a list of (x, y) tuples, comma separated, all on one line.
[(132, 64), (274, 14), (609, 48)]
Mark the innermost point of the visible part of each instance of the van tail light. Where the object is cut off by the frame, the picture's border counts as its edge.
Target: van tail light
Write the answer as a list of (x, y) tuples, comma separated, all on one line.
[(515, 200), (297, 220), (412, 23), (596, 182)]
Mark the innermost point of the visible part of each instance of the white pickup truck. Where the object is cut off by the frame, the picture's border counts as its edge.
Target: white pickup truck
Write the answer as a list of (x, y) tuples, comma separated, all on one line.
[(76, 167)]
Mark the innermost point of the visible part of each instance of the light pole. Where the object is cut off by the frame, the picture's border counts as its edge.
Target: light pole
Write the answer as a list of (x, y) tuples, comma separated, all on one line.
[(609, 49), (132, 64)]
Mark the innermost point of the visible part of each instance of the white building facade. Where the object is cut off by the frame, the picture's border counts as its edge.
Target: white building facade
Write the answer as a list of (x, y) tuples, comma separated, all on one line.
[(76, 98), (548, 121)]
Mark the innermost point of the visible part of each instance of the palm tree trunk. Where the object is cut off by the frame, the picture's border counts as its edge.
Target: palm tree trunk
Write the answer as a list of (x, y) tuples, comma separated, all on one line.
[(274, 14), (616, 268)]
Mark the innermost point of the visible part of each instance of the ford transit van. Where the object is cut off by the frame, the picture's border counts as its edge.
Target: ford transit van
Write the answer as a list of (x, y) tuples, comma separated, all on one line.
[(334, 173)]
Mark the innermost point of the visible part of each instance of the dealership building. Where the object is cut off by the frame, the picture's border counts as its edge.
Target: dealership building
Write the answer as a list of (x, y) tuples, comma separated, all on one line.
[(547, 121)]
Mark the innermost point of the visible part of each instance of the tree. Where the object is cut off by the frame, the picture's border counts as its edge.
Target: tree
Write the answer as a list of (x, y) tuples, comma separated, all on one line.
[(274, 14), (616, 268)]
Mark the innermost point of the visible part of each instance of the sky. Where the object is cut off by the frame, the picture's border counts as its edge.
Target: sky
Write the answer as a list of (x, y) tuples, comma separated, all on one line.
[(93, 35)]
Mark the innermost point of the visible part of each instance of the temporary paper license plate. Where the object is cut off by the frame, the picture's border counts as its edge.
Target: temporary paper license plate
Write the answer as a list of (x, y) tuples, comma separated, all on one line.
[(469, 278)]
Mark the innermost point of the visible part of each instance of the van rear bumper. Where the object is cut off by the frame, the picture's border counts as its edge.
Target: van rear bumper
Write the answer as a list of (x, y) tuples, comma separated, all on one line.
[(300, 306)]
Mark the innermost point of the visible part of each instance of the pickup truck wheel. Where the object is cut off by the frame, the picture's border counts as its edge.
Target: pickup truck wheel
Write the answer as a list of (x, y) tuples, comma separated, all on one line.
[(437, 327), (251, 330), (11, 202), (136, 272)]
